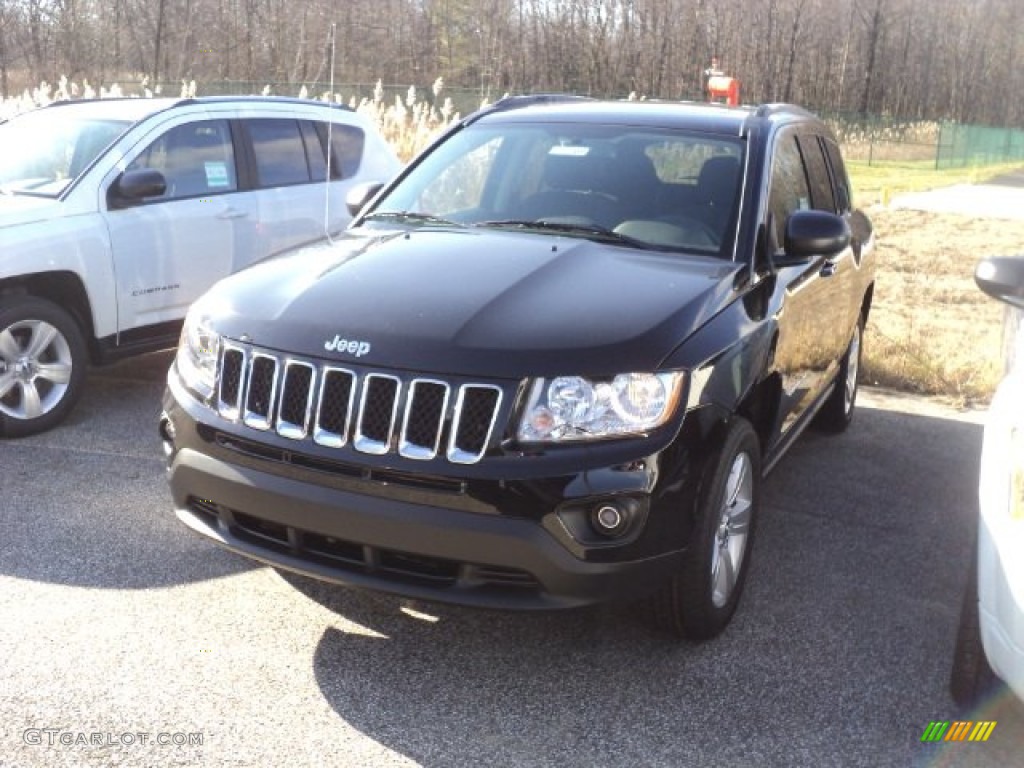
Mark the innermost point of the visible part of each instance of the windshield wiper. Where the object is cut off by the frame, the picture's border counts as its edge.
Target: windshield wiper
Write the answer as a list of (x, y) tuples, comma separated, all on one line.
[(593, 231), (411, 217)]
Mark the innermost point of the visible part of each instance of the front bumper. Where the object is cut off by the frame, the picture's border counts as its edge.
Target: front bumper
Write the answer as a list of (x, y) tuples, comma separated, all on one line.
[(507, 544)]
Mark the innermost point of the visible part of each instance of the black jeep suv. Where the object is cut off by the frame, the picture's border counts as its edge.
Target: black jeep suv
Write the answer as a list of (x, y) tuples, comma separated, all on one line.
[(547, 366)]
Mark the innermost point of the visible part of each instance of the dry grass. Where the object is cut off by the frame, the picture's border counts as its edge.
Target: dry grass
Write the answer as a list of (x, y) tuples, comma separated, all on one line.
[(931, 329), (409, 124)]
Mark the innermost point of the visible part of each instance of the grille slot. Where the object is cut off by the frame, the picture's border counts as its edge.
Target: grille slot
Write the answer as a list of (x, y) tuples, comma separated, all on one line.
[(377, 412), (476, 410), (334, 409), (296, 400), (229, 395), (424, 419), (374, 413), (261, 392)]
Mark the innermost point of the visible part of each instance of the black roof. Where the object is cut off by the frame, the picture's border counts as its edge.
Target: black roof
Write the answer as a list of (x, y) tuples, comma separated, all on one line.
[(701, 116)]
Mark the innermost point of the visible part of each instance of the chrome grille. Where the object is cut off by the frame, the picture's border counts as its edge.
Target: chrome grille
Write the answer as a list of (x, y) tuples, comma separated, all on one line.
[(334, 408), (378, 409), (373, 412), (261, 392), (229, 391), (424, 419), (296, 401)]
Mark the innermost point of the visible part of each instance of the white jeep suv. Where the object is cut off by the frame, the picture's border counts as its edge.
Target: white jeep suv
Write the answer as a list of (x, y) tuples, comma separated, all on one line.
[(116, 214)]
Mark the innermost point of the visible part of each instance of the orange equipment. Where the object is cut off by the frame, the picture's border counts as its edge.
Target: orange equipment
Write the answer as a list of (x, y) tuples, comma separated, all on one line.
[(724, 90)]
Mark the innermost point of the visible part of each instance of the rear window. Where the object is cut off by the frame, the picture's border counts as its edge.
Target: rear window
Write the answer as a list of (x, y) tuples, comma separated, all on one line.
[(347, 141), (280, 152), (293, 151)]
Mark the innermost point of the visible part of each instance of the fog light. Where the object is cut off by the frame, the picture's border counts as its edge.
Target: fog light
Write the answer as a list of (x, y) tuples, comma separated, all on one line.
[(609, 520), (167, 434), (166, 428)]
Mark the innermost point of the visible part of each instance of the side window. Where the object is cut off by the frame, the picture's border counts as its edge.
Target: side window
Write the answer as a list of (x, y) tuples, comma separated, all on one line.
[(197, 160), (840, 181), (817, 173), (347, 141), (789, 190), (316, 158), (280, 152)]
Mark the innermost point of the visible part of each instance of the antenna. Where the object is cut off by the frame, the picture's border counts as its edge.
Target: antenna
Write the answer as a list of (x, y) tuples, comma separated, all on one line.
[(330, 145)]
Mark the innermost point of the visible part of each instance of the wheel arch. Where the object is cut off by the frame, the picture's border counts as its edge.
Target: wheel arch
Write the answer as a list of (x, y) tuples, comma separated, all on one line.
[(63, 288), (865, 304), (760, 407)]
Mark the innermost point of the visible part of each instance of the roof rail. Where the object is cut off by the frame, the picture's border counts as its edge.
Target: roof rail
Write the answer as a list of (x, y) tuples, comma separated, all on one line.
[(94, 100), (526, 100), (238, 98), (780, 108)]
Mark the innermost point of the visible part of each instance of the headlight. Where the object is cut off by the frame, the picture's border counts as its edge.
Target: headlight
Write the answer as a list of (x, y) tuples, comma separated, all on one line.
[(576, 408), (197, 354)]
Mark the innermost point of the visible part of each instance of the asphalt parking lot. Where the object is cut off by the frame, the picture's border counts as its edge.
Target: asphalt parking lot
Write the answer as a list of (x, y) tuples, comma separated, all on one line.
[(126, 640)]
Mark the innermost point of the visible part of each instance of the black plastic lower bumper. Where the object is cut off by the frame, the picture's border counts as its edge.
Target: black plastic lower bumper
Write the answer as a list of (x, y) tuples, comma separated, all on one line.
[(409, 549)]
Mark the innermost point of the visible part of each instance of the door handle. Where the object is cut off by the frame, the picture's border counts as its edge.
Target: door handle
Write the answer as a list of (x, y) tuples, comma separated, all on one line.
[(232, 213), (828, 269)]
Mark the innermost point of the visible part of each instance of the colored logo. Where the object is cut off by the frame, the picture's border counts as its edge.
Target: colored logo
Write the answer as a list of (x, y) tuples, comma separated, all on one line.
[(958, 730)]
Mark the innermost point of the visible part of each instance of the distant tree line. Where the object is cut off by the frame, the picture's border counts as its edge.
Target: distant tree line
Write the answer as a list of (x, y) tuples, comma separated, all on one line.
[(911, 59)]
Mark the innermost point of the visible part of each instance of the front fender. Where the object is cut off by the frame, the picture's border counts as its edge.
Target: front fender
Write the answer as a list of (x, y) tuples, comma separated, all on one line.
[(77, 244), (727, 356)]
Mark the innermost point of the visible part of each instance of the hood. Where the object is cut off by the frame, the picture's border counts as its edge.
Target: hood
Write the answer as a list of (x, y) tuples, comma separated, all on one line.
[(25, 209), (474, 302)]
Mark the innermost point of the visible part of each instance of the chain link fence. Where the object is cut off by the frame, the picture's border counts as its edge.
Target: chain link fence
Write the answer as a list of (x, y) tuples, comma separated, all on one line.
[(965, 146), (924, 144)]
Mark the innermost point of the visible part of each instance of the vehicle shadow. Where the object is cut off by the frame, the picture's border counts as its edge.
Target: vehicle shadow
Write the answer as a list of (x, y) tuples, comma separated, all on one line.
[(841, 648), (87, 503)]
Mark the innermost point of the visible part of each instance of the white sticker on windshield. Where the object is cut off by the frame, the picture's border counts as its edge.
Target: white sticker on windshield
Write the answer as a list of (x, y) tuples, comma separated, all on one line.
[(574, 151), (217, 174)]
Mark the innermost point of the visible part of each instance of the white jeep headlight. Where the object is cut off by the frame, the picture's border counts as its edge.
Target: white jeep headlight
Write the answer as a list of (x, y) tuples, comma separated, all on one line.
[(576, 408), (198, 351)]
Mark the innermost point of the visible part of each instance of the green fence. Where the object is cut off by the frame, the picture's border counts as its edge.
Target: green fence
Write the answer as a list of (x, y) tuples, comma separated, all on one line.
[(921, 144), (963, 146)]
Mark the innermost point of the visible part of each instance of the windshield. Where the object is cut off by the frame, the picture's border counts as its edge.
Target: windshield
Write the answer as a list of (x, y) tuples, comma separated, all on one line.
[(657, 188), (42, 152)]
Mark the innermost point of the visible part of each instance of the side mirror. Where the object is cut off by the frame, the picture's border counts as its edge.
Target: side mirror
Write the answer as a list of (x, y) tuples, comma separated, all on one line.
[(1002, 277), (133, 186), (361, 194), (810, 234)]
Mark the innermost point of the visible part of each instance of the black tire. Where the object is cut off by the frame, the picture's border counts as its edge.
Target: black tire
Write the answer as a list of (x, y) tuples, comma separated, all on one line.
[(694, 604), (42, 365), (971, 679), (837, 412)]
